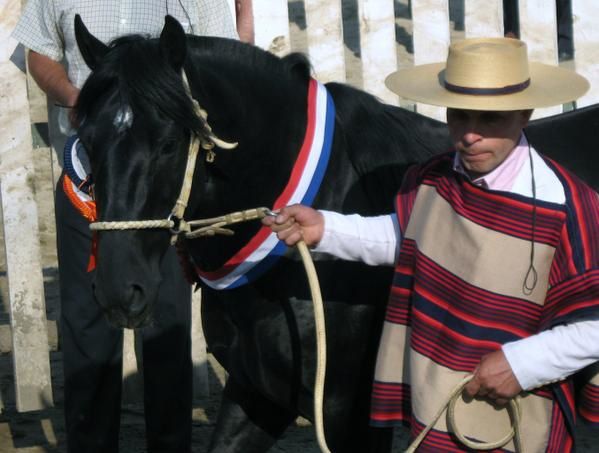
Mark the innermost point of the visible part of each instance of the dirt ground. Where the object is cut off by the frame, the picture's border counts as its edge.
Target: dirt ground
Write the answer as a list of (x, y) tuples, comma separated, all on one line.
[(43, 431)]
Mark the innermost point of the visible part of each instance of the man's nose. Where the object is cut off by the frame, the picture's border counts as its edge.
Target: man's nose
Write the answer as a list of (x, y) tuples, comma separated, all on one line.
[(470, 137)]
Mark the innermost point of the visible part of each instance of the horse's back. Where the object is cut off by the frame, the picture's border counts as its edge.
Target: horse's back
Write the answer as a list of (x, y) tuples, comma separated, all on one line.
[(381, 142), (569, 139)]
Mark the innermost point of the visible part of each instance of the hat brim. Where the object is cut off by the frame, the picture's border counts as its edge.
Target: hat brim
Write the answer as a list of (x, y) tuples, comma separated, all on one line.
[(549, 85)]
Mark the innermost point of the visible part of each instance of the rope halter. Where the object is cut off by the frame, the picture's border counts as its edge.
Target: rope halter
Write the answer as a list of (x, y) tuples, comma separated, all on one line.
[(175, 221)]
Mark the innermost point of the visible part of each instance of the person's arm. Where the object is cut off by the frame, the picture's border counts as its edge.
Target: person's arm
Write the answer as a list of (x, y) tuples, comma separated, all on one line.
[(554, 354), (245, 20), (549, 356), (52, 78), (372, 240)]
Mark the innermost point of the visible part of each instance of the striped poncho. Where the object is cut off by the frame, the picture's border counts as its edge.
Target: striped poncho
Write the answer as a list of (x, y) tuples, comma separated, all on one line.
[(458, 294)]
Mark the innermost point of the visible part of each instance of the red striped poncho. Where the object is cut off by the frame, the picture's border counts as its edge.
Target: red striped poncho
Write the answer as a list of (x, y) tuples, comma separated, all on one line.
[(457, 294)]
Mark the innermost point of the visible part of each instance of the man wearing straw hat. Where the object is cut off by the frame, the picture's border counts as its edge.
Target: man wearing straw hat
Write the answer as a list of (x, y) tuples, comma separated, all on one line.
[(496, 253)]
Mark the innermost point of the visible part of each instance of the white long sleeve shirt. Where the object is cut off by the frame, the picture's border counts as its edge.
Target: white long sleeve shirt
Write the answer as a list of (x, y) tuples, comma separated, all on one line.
[(547, 357)]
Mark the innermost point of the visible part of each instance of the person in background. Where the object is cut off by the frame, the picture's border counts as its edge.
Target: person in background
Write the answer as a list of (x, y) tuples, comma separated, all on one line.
[(91, 347), (245, 20), (496, 254)]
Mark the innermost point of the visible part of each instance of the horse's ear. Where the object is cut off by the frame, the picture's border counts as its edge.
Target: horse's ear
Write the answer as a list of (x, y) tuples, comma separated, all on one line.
[(91, 48), (173, 42), (298, 64)]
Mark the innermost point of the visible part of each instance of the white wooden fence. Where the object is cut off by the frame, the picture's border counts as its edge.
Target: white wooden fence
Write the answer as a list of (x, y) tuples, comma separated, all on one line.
[(382, 30)]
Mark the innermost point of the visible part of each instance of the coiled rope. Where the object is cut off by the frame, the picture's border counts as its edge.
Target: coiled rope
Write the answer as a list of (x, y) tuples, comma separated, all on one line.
[(513, 409)]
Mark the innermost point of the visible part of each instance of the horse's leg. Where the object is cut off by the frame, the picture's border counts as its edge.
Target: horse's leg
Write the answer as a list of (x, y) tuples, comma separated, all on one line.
[(247, 422), (348, 431)]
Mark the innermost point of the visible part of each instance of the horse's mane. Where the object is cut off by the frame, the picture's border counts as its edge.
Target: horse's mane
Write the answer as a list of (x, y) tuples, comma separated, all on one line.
[(236, 54), (146, 81)]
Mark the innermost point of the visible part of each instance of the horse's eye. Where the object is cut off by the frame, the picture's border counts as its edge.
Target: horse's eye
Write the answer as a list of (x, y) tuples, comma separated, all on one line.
[(169, 146)]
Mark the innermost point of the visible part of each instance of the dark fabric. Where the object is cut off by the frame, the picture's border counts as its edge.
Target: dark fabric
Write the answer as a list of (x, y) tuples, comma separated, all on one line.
[(92, 351)]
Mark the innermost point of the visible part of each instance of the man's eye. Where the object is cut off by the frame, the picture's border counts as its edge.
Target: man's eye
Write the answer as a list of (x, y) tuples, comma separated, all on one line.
[(491, 117)]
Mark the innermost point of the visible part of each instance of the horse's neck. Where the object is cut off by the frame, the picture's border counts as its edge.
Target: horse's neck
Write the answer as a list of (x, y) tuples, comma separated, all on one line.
[(252, 175), (375, 144)]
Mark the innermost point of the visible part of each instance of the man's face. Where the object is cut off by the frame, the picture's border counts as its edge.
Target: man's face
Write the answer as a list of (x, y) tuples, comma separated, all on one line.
[(484, 139)]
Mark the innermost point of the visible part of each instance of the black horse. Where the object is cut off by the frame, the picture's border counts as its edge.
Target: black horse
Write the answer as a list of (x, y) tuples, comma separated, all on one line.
[(136, 120)]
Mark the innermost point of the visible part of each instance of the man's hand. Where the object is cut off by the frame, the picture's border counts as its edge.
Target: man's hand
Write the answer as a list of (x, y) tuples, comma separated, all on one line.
[(297, 222), (494, 379)]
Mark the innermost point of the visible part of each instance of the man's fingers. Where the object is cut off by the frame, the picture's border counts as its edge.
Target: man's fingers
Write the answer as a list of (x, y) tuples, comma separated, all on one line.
[(290, 233), (281, 226), (501, 401), (293, 238), (472, 388)]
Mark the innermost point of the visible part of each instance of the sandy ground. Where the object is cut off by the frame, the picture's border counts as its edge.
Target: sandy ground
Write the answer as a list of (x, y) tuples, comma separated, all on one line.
[(43, 431)]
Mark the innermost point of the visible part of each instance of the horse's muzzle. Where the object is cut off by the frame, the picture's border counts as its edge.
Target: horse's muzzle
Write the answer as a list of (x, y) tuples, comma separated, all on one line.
[(130, 311)]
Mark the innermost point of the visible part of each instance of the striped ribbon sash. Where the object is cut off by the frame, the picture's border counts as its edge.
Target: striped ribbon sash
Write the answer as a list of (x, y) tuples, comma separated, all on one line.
[(262, 250)]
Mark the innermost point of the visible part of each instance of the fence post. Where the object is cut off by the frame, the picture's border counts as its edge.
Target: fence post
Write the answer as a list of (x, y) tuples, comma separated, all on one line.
[(430, 20), (483, 18), (31, 360), (538, 28), (586, 45), (271, 30), (325, 39), (377, 46)]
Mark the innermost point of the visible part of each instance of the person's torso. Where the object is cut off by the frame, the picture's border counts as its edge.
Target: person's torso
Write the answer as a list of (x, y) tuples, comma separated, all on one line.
[(108, 19)]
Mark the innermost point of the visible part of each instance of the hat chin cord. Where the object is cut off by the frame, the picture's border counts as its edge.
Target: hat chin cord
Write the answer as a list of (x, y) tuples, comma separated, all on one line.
[(531, 277)]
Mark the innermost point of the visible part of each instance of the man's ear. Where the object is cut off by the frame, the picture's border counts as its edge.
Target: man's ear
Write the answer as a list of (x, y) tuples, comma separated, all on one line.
[(91, 48), (173, 43)]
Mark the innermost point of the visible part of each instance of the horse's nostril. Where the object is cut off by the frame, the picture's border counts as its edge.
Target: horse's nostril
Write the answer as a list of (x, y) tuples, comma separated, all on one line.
[(136, 303)]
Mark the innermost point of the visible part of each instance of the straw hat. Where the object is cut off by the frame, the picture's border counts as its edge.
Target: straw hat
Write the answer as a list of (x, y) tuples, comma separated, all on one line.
[(488, 74)]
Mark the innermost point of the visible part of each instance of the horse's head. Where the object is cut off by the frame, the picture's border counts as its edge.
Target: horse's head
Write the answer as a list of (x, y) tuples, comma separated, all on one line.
[(136, 120)]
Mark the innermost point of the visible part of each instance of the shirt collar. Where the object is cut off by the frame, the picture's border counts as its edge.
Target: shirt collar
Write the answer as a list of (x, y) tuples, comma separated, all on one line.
[(502, 177)]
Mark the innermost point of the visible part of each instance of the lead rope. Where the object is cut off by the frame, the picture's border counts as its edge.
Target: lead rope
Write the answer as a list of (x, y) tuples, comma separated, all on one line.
[(215, 226), (513, 409), (321, 343)]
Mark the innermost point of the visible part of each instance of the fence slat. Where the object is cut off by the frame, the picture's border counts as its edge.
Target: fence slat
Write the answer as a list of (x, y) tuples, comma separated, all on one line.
[(272, 26), (586, 45), (483, 18), (325, 39), (31, 359), (431, 38), (538, 28), (377, 45)]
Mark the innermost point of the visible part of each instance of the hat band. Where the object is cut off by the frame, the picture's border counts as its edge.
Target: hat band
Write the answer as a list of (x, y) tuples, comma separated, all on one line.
[(509, 89)]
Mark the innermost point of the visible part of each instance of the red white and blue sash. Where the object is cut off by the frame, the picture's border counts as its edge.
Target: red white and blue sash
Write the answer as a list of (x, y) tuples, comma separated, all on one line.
[(76, 184), (76, 179), (262, 251)]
